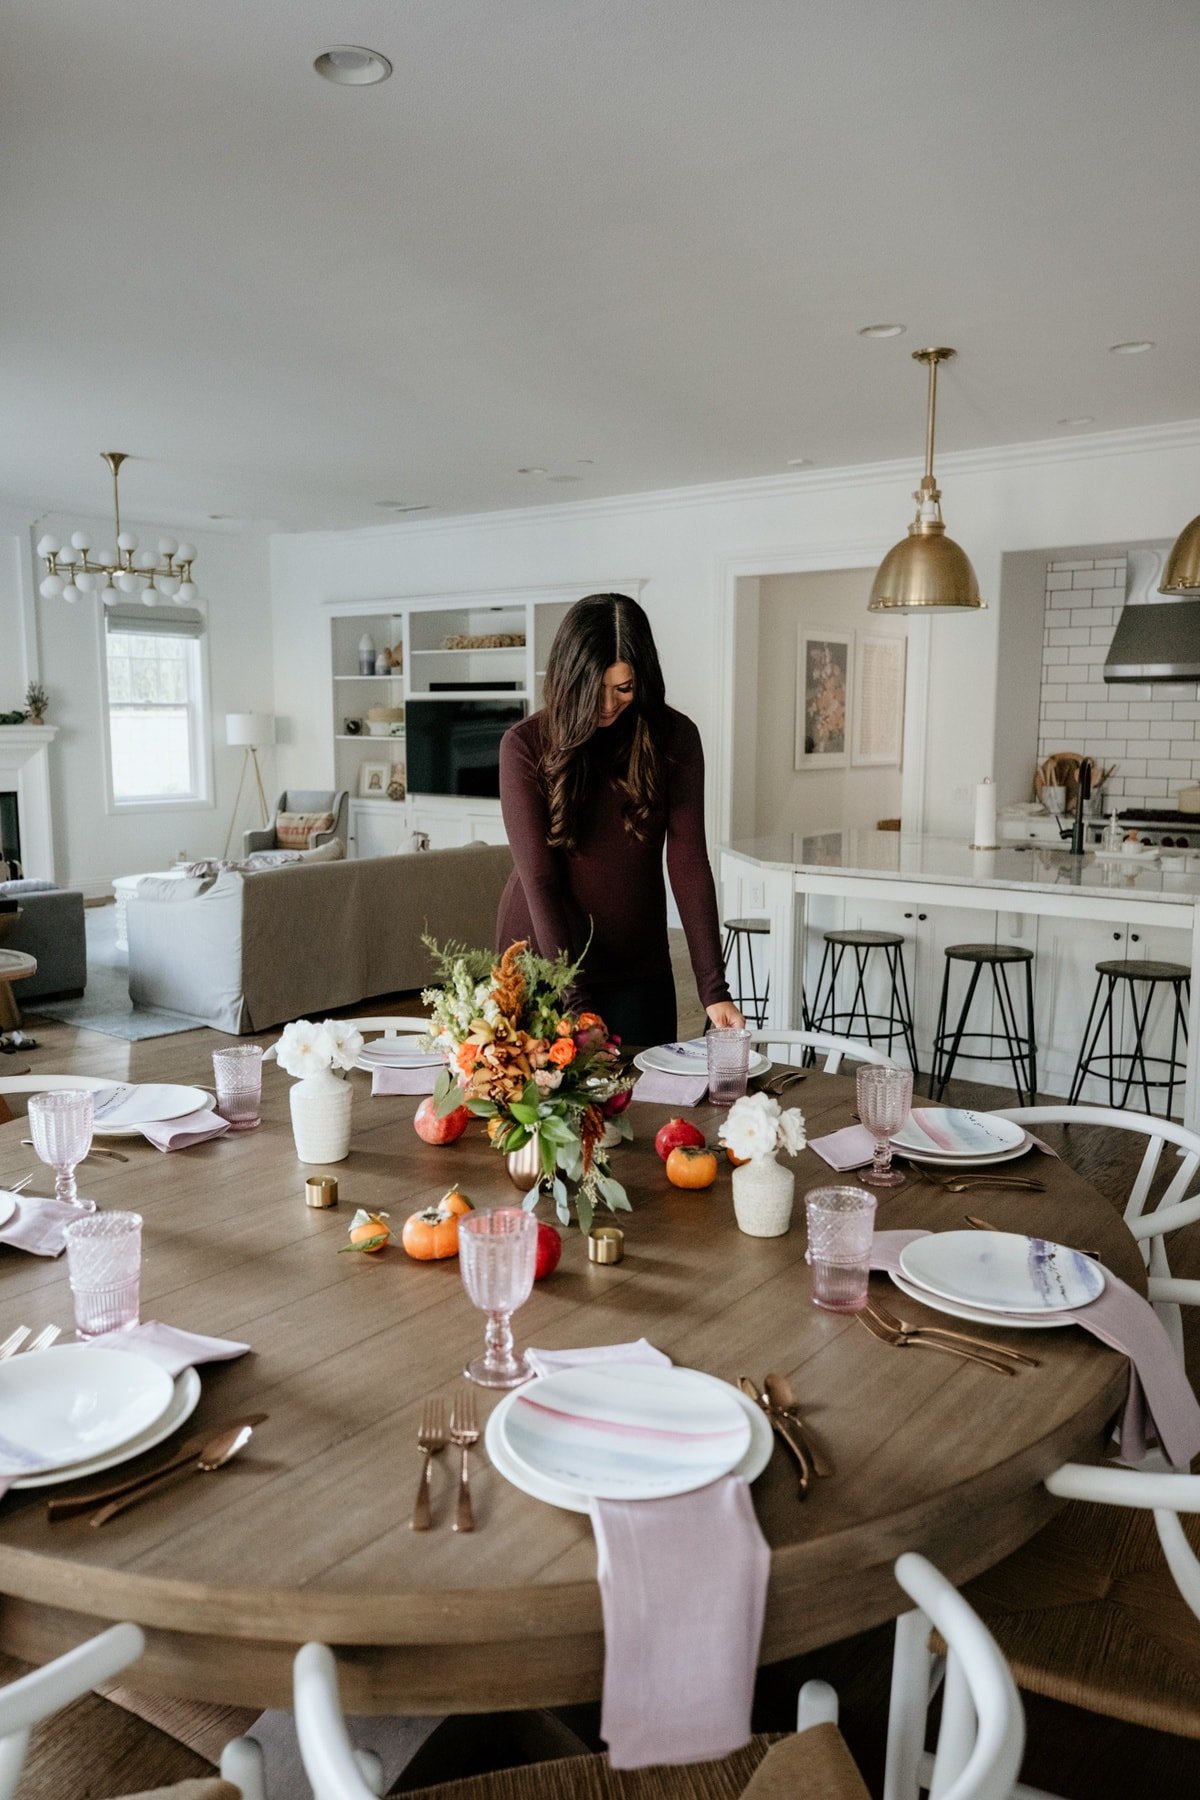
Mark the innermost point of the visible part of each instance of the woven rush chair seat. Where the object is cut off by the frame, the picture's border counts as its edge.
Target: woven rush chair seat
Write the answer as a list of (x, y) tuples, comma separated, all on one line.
[(207, 1787), (1088, 1613), (814, 1766)]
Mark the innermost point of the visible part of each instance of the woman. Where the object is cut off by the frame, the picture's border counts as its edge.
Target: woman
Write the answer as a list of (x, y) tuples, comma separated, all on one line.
[(591, 789)]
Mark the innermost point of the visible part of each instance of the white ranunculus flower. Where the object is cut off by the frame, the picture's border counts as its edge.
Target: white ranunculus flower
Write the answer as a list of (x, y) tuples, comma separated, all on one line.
[(347, 1042), (791, 1131), (751, 1127), (304, 1048)]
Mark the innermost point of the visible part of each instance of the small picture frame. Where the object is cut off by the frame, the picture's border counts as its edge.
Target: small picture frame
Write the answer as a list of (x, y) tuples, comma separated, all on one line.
[(824, 661), (878, 710), (373, 779)]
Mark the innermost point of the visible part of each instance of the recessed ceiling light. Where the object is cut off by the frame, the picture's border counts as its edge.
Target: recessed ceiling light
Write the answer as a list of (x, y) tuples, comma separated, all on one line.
[(799, 462), (1135, 347), (531, 469), (1081, 419), (350, 65), (564, 478), (882, 331)]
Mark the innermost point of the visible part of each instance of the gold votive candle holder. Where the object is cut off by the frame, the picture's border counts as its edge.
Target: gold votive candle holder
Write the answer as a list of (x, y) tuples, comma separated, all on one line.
[(321, 1190), (606, 1244)]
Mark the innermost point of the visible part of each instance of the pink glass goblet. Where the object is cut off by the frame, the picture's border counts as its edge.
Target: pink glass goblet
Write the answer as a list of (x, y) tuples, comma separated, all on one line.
[(884, 1102), (60, 1124), (497, 1251)]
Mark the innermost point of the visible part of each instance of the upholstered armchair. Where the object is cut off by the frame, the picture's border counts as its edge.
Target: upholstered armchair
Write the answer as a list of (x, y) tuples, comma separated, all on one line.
[(317, 802)]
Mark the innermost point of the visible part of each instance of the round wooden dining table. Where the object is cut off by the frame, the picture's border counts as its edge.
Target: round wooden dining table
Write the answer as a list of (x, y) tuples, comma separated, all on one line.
[(306, 1535)]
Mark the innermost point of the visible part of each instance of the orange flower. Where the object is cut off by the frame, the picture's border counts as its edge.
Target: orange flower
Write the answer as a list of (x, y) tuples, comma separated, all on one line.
[(467, 1057), (565, 1028), (562, 1052), (588, 1021)]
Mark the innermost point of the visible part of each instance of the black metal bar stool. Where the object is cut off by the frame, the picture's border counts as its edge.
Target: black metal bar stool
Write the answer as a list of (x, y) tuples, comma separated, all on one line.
[(859, 1021), (747, 999), (1151, 976), (1020, 1047)]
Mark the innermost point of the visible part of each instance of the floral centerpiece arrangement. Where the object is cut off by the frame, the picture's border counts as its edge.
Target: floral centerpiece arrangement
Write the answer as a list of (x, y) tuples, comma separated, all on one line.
[(321, 1100), (754, 1130), (540, 1073)]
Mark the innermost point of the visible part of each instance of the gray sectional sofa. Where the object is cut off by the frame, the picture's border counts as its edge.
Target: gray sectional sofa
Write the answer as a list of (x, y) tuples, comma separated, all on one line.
[(248, 950), (51, 928)]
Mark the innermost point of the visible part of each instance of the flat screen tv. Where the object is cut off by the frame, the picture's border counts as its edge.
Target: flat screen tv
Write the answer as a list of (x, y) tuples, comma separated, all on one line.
[(453, 746)]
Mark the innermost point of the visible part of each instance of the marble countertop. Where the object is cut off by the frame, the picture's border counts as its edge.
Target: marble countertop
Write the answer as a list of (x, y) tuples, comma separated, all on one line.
[(890, 855)]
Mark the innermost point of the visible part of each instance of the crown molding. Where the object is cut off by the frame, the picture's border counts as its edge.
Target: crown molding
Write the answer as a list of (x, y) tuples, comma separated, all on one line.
[(1143, 440)]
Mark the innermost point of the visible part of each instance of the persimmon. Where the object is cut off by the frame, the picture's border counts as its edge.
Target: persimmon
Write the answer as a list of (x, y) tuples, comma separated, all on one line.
[(691, 1166), (456, 1201), (431, 1235), (369, 1231)]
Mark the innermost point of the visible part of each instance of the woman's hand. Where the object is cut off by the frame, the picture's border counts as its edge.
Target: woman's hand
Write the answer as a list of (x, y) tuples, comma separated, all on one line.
[(724, 1013)]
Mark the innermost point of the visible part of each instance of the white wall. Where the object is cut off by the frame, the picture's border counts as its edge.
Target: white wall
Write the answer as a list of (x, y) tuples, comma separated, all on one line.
[(60, 645), (691, 547), (788, 799)]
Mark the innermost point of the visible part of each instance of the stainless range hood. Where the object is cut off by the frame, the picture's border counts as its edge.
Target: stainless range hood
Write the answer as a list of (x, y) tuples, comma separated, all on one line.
[(1156, 639)]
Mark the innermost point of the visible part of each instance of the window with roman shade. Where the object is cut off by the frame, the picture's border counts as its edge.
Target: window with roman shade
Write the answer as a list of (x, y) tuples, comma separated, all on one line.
[(158, 752)]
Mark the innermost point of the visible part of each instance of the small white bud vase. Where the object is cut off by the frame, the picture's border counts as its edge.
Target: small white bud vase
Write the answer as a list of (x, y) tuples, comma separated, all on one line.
[(321, 1104), (763, 1192)]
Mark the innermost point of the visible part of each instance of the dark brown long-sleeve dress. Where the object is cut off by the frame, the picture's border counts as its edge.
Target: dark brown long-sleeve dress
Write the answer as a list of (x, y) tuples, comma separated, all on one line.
[(612, 883)]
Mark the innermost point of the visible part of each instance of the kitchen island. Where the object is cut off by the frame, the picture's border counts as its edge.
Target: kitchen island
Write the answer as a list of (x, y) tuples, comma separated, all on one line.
[(1071, 911)]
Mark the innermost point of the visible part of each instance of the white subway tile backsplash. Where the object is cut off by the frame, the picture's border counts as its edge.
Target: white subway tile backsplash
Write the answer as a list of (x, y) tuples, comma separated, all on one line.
[(1150, 709), (1102, 634), (1070, 565), (1173, 728), (1133, 767), (1057, 636), (1065, 711), (1109, 562), (1051, 694), (1089, 653), (1099, 578), (1185, 709), (1056, 579), (1084, 615), (1055, 654), (1085, 578), (1107, 709), (1081, 690), (1142, 747), (1172, 769)]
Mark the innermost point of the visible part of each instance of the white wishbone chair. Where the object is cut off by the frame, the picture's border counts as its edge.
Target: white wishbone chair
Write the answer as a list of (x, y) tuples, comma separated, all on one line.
[(978, 1753), (821, 1044), (32, 1698)]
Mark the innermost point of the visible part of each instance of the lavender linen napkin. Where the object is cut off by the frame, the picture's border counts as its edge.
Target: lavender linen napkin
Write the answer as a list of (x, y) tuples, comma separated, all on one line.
[(851, 1148), (1160, 1396), (39, 1225), (681, 1625), (172, 1349), (671, 1090), (403, 1081), (193, 1128)]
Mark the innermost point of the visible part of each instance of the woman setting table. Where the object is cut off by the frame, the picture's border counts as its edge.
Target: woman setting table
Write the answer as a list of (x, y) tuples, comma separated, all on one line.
[(307, 1535)]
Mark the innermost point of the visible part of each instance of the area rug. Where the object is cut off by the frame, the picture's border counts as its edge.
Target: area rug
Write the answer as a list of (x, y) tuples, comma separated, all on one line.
[(105, 1005)]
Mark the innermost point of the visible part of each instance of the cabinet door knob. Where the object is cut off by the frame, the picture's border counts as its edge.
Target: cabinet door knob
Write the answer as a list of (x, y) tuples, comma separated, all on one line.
[(922, 915), (1116, 937), (908, 915), (1136, 938)]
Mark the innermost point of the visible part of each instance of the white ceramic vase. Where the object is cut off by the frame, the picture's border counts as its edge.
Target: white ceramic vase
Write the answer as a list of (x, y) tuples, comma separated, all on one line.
[(762, 1196), (321, 1106)]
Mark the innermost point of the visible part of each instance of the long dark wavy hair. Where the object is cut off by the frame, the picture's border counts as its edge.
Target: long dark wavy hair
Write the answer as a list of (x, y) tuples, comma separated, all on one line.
[(599, 631)]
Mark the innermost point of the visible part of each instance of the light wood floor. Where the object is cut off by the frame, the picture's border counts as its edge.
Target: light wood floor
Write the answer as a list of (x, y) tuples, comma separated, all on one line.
[(1073, 1754)]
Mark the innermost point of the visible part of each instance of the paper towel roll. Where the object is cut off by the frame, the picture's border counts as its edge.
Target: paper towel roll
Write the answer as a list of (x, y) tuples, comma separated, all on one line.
[(985, 816)]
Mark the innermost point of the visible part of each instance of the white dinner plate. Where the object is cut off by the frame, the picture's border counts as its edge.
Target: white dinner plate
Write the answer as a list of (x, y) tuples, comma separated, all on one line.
[(956, 1133), (663, 1061), (148, 1103), (398, 1053), (626, 1431), (966, 1163), (975, 1315), (74, 1402), (8, 1206), (183, 1405), (1002, 1271), (554, 1493)]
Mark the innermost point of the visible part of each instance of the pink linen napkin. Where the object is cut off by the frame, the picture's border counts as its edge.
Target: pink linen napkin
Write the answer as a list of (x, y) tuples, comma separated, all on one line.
[(193, 1128), (39, 1225), (172, 1349), (681, 1624), (671, 1090), (1160, 1396), (403, 1081), (851, 1148)]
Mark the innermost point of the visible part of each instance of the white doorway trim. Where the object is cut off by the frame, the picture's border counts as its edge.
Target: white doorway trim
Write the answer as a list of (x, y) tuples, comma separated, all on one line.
[(806, 559)]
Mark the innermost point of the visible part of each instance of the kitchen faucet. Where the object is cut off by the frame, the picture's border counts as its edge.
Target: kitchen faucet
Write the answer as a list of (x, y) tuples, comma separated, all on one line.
[(1083, 794)]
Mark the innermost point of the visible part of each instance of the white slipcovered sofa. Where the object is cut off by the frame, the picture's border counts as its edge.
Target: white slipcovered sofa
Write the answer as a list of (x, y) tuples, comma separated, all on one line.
[(246, 950)]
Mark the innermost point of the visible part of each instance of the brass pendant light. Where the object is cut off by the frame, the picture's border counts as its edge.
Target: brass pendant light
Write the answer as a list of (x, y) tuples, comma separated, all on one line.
[(926, 571), (1182, 573)]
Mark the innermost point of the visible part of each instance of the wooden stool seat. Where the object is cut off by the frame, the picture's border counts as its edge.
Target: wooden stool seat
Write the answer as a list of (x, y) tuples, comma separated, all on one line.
[(990, 953), (1088, 1613), (762, 927), (815, 1765), (868, 940), (1145, 971)]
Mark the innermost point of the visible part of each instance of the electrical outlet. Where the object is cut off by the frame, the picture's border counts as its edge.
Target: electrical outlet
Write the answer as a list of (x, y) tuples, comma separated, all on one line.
[(962, 796), (755, 895)]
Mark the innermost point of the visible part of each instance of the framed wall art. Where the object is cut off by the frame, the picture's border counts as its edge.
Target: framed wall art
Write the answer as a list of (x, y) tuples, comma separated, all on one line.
[(877, 709), (373, 779), (824, 663)]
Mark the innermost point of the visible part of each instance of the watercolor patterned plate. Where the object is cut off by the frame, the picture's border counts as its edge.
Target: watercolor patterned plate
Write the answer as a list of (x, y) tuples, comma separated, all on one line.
[(556, 1493), (951, 1131), (627, 1431), (1000, 1271), (974, 1315)]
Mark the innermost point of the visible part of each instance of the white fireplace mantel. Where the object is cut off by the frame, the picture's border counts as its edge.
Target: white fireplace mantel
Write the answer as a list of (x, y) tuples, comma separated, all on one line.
[(25, 767)]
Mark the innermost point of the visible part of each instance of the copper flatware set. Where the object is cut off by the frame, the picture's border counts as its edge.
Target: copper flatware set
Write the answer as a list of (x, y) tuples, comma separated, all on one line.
[(433, 1435), (208, 1450), (779, 1404)]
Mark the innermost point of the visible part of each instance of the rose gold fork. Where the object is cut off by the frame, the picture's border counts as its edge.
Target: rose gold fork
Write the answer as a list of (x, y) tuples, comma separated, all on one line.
[(464, 1431), (431, 1438), (896, 1323), (911, 1340)]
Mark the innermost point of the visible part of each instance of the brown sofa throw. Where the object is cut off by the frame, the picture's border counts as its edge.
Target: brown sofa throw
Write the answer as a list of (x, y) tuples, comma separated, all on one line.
[(295, 831)]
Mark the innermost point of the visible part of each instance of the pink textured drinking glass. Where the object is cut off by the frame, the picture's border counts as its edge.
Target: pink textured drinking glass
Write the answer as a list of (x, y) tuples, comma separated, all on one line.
[(497, 1251), (60, 1124), (884, 1102), (841, 1225), (237, 1075), (104, 1267)]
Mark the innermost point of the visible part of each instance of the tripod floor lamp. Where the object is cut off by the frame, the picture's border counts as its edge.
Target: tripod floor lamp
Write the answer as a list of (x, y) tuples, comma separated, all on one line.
[(250, 733)]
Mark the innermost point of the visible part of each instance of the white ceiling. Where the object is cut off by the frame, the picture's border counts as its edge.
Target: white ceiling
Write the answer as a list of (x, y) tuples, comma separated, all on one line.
[(638, 231)]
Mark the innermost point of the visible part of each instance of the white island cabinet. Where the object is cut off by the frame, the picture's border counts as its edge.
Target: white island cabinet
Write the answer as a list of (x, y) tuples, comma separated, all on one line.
[(1071, 912)]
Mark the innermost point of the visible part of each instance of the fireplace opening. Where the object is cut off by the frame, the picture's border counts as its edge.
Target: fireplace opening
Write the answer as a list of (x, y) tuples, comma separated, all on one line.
[(10, 830)]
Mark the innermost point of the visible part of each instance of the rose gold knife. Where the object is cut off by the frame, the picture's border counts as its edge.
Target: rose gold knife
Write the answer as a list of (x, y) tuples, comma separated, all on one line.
[(69, 1505)]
